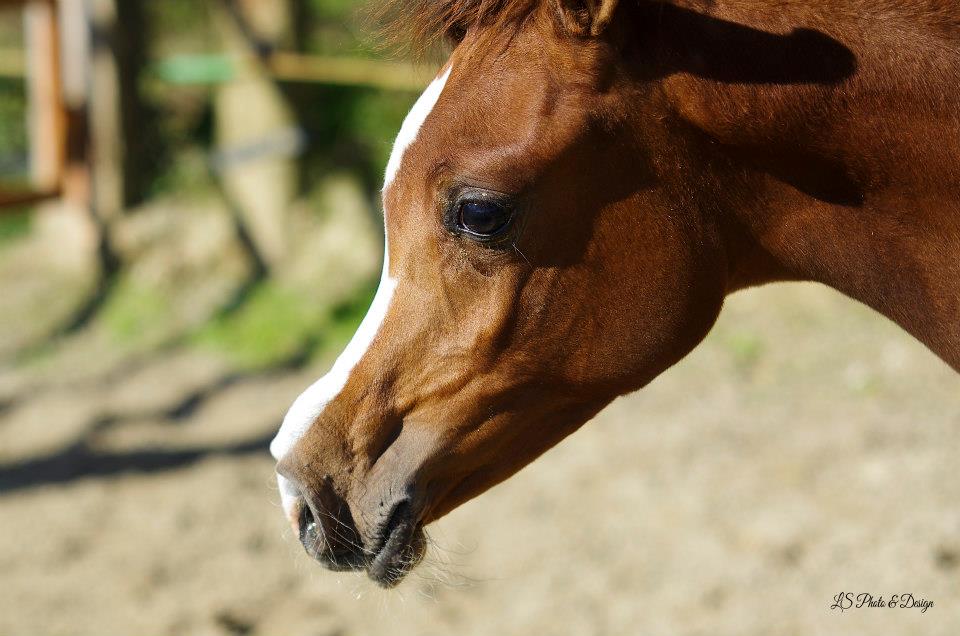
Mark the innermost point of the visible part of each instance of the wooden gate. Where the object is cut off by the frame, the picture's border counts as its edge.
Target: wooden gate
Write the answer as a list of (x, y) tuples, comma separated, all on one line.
[(39, 65)]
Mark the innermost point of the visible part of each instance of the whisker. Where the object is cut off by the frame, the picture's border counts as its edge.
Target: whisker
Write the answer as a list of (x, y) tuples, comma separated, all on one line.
[(517, 249)]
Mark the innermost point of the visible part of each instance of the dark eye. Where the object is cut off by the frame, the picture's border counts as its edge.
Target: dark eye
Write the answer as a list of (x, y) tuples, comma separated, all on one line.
[(482, 218)]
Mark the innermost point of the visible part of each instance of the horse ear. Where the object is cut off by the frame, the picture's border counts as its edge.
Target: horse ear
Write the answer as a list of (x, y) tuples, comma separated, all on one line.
[(585, 18)]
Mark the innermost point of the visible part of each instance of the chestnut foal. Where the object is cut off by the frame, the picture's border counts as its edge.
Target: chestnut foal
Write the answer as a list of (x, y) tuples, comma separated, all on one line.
[(570, 201)]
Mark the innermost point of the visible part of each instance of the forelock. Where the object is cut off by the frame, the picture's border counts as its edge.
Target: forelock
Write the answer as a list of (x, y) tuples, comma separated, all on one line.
[(425, 22)]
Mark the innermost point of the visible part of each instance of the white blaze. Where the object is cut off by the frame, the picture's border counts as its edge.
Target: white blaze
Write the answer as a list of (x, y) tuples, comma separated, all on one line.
[(411, 125), (311, 402)]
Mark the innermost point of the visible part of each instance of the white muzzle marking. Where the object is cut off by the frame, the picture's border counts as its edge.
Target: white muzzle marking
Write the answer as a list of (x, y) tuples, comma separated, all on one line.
[(311, 403)]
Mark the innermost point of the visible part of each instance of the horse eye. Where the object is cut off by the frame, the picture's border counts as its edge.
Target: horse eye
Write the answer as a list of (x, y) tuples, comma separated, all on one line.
[(483, 218)]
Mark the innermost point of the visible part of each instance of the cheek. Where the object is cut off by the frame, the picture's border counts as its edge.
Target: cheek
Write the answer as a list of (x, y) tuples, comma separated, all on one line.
[(638, 292), (519, 424), (446, 330), (660, 300)]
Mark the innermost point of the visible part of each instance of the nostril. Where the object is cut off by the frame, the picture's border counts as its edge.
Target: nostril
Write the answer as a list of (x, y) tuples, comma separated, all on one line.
[(325, 527), (309, 530)]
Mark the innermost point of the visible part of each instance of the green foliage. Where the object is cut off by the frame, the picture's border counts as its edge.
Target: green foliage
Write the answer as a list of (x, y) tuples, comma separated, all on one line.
[(375, 121), (187, 175), (344, 319), (351, 129), (347, 128), (13, 131), (181, 26), (333, 27), (332, 9), (11, 27), (14, 224)]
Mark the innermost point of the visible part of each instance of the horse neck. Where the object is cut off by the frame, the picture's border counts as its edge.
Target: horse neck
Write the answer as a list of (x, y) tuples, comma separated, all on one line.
[(849, 181), (896, 253)]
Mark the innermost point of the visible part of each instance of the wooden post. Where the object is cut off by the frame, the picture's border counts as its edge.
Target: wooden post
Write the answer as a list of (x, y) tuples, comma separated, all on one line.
[(252, 112), (104, 110), (46, 111), (75, 65)]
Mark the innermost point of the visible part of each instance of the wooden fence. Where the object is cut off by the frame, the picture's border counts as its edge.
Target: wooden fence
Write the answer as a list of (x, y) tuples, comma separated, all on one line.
[(62, 127), (46, 110)]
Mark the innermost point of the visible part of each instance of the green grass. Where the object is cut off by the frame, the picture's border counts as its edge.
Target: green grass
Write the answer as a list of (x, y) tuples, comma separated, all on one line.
[(270, 326), (745, 349), (276, 324), (133, 311), (39, 357)]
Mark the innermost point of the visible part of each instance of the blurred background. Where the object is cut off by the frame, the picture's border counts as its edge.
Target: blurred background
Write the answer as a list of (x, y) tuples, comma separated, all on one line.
[(189, 233)]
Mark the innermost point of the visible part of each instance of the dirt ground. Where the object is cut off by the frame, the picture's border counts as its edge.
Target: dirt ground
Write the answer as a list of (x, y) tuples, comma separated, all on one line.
[(807, 449)]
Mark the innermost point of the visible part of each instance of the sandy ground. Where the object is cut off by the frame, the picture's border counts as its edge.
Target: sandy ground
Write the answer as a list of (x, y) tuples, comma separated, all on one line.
[(808, 448)]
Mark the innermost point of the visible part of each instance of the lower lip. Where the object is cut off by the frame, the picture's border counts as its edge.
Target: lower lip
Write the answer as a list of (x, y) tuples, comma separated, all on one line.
[(381, 568)]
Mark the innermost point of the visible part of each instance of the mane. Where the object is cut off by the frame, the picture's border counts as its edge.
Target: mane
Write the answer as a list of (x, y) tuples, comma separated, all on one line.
[(426, 22)]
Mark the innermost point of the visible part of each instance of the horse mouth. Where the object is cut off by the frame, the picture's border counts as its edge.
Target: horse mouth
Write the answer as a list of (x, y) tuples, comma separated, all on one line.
[(401, 547), (397, 546)]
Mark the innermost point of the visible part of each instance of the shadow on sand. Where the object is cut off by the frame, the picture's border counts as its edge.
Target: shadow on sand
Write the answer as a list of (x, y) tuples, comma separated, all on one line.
[(79, 461)]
